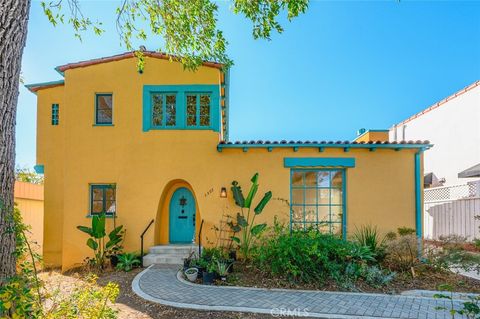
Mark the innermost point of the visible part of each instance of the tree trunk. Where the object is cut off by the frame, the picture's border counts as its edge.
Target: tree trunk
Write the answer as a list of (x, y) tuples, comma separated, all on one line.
[(13, 33)]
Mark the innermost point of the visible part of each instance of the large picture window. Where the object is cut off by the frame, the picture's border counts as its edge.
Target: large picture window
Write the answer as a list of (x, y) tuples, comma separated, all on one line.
[(317, 199), (103, 199)]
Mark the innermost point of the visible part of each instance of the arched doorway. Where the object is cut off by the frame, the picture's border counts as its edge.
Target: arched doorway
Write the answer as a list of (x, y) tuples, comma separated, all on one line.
[(182, 213), (163, 226)]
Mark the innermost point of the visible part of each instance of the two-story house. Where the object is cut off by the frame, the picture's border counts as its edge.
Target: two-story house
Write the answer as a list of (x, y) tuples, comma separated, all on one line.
[(154, 145)]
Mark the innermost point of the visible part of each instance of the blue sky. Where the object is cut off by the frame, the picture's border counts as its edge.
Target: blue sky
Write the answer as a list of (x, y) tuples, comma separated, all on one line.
[(342, 66)]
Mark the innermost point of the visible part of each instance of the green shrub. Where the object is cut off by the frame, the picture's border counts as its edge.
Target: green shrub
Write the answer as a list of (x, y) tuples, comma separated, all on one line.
[(405, 231), (128, 261), (313, 257), (402, 252), (368, 236)]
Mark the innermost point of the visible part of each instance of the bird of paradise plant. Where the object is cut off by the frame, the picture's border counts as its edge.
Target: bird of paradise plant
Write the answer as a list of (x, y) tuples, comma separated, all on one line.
[(245, 220)]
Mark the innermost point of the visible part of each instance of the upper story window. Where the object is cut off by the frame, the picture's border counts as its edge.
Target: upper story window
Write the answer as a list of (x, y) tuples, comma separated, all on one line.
[(198, 109), (55, 114), (103, 199), (164, 110), (181, 107), (317, 199), (103, 109)]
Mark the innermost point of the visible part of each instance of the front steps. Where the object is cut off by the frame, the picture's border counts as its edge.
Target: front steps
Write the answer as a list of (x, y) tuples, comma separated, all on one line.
[(169, 254)]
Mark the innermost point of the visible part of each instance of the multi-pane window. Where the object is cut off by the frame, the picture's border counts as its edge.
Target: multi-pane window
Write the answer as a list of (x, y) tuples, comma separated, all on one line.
[(164, 110), (55, 115), (317, 199), (103, 109), (198, 109), (102, 199)]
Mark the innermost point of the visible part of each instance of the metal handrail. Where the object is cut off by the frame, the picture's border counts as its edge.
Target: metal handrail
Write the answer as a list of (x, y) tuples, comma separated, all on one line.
[(200, 240), (141, 239)]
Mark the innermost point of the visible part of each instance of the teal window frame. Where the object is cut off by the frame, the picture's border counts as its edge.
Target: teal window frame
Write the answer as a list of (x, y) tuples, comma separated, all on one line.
[(181, 92), (97, 123), (304, 187), (103, 187), (55, 114)]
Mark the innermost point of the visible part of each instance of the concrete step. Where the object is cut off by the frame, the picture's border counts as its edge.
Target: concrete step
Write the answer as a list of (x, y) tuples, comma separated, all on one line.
[(173, 249), (151, 259), (169, 254)]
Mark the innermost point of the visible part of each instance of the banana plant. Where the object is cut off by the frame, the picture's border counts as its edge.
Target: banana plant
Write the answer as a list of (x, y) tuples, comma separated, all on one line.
[(245, 220), (97, 241)]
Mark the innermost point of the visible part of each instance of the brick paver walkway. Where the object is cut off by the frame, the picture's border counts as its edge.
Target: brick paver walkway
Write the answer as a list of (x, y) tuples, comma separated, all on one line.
[(160, 284)]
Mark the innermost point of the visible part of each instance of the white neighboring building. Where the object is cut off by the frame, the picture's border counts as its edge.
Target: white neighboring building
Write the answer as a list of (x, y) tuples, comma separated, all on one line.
[(453, 126)]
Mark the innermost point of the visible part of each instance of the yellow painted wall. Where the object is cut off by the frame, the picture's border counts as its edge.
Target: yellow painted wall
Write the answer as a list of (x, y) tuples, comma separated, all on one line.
[(373, 136), (50, 153), (29, 200), (148, 166)]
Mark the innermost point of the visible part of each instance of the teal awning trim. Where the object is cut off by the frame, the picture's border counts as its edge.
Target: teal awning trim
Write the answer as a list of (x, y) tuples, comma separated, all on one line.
[(319, 162)]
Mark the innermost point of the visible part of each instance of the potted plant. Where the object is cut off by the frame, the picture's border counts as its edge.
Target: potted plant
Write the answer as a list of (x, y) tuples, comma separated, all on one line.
[(192, 274), (208, 275), (222, 269)]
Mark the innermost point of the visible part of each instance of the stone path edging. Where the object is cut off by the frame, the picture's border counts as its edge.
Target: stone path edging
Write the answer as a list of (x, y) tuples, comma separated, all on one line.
[(165, 285)]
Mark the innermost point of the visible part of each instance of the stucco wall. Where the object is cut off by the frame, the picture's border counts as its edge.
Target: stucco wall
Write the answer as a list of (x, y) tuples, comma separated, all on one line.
[(145, 165), (454, 129), (29, 200)]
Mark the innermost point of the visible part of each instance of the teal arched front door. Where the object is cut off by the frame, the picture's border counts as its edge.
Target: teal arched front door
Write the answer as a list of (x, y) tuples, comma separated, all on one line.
[(182, 216)]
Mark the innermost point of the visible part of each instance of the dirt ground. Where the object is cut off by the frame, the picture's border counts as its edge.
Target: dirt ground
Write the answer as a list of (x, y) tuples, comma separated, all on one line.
[(131, 306), (425, 278)]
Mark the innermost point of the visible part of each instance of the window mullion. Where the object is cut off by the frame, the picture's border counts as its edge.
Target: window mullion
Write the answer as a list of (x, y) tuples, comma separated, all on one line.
[(197, 115), (104, 200), (164, 109)]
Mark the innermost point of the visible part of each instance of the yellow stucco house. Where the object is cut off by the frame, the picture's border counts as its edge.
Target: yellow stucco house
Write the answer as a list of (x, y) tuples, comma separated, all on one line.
[(154, 145)]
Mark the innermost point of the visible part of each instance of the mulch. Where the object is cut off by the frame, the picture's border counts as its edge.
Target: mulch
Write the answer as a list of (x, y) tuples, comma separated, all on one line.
[(425, 278)]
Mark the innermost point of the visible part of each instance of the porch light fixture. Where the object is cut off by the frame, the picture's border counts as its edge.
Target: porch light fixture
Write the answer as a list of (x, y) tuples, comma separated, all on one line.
[(223, 192)]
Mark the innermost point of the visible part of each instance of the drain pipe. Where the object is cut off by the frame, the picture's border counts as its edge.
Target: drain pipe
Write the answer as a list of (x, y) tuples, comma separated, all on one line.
[(418, 201)]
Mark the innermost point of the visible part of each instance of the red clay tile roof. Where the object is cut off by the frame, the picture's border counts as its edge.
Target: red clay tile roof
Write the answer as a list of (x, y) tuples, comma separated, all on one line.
[(126, 55), (439, 103)]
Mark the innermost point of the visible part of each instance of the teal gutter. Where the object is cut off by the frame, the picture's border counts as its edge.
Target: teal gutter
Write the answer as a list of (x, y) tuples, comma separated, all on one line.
[(321, 146), (418, 194), (58, 71), (31, 87)]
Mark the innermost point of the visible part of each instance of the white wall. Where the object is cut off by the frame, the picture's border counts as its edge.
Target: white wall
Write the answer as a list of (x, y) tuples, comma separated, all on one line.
[(454, 129)]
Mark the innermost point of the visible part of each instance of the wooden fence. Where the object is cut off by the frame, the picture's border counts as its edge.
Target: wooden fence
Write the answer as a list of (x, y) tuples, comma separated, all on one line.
[(451, 210)]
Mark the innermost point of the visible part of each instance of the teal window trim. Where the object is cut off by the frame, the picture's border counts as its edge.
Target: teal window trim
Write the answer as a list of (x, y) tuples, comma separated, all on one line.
[(55, 114), (181, 92), (343, 205), (96, 122), (39, 169), (319, 162), (103, 188)]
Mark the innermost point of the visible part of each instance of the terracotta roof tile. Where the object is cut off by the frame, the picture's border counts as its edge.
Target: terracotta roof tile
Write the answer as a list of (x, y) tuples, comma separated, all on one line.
[(127, 55)]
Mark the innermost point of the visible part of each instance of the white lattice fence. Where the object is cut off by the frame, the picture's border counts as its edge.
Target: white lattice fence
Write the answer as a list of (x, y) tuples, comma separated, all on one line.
[(451, 210)]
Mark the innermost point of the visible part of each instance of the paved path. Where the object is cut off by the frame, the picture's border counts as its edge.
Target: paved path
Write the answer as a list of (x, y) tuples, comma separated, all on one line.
[(162, 285)]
